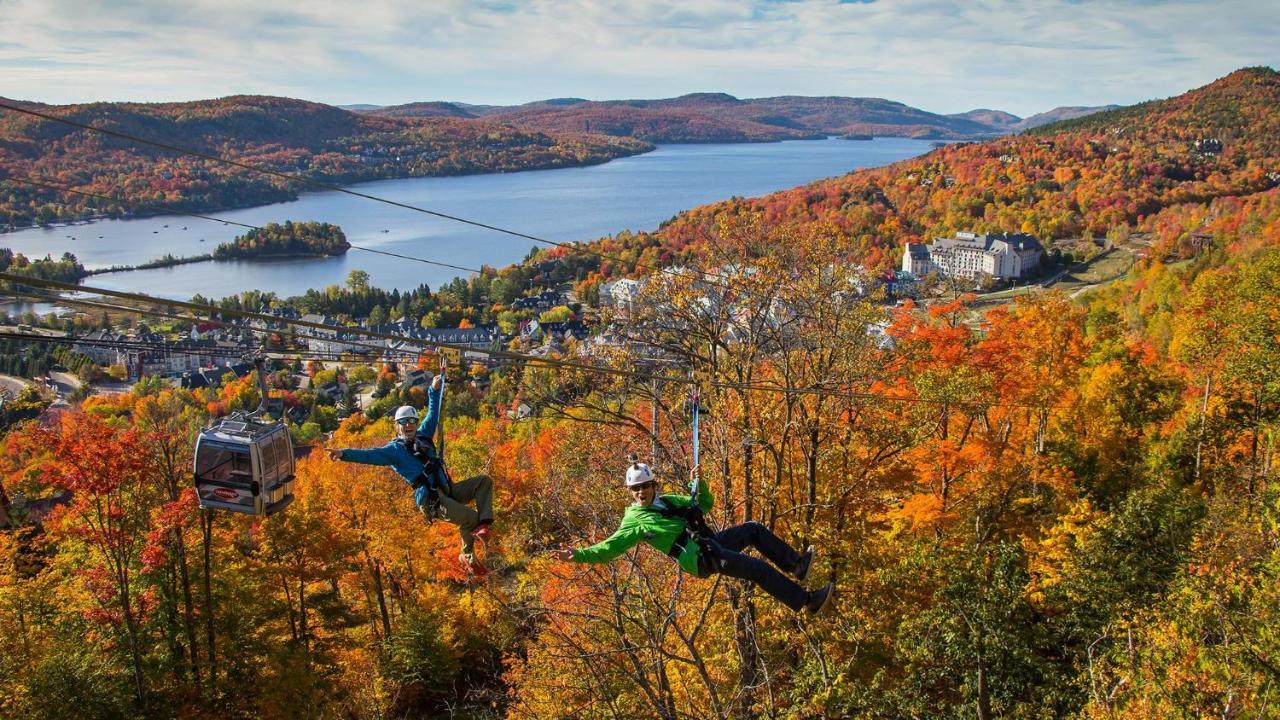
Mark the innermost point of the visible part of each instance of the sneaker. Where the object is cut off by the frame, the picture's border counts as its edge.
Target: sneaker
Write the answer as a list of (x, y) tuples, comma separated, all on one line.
[(481, 533), (818, 599), (801, 570)]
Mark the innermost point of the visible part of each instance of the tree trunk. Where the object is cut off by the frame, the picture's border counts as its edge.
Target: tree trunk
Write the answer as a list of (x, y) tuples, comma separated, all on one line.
[(207, 543), (288, 603), (811, 481), (1204, 410), (376, 570), (169, 600), (131, 628), (188, 608), (984, 693), (302, 616), (1253, 443), (745, 635), (22, 628)]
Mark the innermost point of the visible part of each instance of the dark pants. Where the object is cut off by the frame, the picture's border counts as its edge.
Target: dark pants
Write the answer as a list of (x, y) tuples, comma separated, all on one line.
[(729, 543)]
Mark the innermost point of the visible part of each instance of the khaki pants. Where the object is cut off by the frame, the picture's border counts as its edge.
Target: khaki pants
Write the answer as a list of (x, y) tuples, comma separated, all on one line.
[(454, 509)]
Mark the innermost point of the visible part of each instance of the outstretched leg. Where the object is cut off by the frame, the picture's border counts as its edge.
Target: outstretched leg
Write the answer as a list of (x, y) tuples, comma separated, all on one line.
[(745, 567), (480, 490), (754, 534), (456, 511)]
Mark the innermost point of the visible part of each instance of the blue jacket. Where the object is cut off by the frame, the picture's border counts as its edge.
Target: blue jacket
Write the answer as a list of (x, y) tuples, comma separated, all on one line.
[(397, 454)]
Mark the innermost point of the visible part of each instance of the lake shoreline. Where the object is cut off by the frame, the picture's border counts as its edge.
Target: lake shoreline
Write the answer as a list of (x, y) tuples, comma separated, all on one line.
[(228, 207), (632, 194), (90, 219)]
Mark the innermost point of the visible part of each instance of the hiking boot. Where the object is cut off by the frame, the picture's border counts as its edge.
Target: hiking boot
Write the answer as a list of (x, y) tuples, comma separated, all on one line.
[(481, 533), (801, 570), (818, 599)]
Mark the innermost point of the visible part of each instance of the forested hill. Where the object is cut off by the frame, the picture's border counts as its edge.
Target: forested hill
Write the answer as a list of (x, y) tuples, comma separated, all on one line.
[(1091, 175), (293, 136), (718, 117)]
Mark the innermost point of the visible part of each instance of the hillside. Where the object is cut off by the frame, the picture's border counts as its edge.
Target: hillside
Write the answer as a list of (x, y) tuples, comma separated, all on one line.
[(293, 136), (991, 118), (658, 125), (1087, 176), (420, 109), (1058, 114)]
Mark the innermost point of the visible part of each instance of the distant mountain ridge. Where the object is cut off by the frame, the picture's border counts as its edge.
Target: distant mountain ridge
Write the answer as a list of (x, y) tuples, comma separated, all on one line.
[(1060, 113), (991, 118), (720, 117)]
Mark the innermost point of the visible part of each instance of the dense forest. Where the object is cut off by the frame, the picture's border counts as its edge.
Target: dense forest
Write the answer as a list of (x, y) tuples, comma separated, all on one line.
[(289, 136), (287, 239), (1066, 510)]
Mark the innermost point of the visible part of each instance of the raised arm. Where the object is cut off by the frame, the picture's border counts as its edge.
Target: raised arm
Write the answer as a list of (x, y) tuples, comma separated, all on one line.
[(705, 499), (428, 425)]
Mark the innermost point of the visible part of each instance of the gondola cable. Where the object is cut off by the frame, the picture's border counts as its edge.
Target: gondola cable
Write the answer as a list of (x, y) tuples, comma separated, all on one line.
[(479, 271), (841, 392), (572, 247)]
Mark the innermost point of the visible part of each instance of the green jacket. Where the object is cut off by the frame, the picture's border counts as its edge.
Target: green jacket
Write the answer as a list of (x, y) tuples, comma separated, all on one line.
[(644, 523)]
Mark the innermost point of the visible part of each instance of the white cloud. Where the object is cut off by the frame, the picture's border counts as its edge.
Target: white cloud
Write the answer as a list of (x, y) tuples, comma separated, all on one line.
[(946, 57)]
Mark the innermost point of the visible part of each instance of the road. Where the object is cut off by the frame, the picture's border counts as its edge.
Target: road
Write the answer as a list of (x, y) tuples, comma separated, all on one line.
[(65, 382), (13, 385)]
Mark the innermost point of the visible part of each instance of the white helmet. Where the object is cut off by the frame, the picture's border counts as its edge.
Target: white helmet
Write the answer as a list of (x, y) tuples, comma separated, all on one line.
[(638, 474), (406, 411)]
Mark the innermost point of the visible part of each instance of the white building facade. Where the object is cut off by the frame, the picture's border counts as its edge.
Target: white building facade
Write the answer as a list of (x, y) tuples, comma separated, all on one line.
[(969, 255)]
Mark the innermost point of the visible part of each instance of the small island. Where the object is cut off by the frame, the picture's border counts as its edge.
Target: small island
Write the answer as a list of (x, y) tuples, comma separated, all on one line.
[(857, 136), (65, 269), (290, 239)]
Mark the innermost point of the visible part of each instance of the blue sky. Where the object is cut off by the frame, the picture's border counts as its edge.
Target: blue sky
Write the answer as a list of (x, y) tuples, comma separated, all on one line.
[(1022, 57)]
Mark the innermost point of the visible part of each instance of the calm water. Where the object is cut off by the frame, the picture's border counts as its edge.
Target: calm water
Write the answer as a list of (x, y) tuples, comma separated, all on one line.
[(635, 193)]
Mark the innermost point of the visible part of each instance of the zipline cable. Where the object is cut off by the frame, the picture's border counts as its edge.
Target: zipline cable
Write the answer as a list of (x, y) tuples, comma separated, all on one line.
[(502, 354), (195, 307), (336, 355), (697, 469), (479, 271), (155, 347)]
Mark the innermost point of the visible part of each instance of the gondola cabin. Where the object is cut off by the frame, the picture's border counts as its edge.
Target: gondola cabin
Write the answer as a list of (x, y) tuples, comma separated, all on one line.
[(244, 465)]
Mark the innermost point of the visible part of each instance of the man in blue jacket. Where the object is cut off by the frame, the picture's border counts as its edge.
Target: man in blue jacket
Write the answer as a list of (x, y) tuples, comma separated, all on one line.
[(413, 454)]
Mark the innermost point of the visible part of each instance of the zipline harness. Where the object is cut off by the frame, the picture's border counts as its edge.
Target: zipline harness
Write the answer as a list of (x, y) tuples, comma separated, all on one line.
[(435, 475), (696, 528)]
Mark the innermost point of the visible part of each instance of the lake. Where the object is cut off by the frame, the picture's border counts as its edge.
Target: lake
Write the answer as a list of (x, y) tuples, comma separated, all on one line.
[(634, 193)]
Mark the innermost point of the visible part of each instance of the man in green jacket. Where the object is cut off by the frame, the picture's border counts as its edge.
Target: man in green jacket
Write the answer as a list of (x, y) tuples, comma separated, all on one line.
[(664, 522)]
